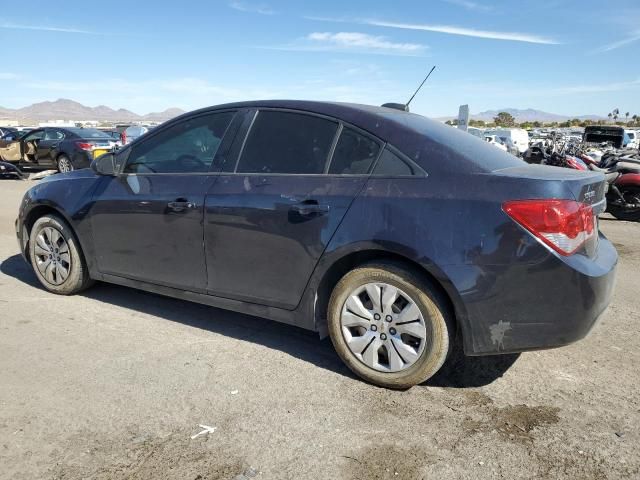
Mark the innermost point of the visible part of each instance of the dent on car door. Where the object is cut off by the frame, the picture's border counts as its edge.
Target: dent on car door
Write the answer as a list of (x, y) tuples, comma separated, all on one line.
[(268, 223)]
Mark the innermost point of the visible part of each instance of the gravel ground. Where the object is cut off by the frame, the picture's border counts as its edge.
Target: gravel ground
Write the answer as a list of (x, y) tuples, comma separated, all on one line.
[(113, 383)]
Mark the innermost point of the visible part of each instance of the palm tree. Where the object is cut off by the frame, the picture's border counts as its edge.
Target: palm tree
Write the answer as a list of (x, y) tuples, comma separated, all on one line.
[(610, 115), (627, 115), (635, 119)]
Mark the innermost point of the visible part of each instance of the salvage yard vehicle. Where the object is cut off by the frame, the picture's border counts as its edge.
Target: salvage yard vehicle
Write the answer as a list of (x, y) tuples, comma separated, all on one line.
[(496, 142), (339, 218), (65, 149)]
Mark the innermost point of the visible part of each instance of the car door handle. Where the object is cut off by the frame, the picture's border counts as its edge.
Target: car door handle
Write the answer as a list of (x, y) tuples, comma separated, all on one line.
[(180, 205), (310, 207)]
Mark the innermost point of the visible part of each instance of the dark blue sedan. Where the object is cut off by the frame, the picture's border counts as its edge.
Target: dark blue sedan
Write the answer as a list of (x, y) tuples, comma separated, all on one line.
[(394, 234)]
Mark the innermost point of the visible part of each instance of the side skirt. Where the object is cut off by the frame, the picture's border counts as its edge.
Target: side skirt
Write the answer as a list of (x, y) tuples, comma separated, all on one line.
[(296, 317)]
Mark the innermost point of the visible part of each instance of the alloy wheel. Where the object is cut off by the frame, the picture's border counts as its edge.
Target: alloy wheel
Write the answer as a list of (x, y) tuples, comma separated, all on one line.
[(53, 258), (383, 327), (64, 165)]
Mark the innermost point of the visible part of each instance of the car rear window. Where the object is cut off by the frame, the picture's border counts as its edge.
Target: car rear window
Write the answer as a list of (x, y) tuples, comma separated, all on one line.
[(354, 153), (286, 142), (477, 154), (391, 165), (88, 133)]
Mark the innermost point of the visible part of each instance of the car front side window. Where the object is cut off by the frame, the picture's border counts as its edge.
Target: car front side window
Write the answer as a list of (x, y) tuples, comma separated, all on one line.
[(186, 147), (34, 136)]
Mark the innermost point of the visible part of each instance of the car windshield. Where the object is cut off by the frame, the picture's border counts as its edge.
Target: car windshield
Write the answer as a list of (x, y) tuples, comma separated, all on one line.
[(88, 133)]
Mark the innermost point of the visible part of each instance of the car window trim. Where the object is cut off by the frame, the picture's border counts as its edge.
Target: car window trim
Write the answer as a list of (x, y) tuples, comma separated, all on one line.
[(170, 124)]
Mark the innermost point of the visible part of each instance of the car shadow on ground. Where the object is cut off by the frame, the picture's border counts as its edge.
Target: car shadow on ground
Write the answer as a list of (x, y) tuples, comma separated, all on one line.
[(461, 371)]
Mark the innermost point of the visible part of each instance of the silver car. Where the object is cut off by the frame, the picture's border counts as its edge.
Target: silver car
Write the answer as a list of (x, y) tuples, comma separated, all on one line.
[(133, 132)]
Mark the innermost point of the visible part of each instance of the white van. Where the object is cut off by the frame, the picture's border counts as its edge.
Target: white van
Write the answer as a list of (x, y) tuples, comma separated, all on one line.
[(518, 136), (634, 137)]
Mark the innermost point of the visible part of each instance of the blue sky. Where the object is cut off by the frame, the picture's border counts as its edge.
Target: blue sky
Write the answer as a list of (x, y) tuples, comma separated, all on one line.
[(567, 57)]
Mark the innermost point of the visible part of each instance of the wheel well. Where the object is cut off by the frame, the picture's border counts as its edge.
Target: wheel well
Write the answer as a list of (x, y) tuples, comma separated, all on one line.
[(34, 215), (347, 263)]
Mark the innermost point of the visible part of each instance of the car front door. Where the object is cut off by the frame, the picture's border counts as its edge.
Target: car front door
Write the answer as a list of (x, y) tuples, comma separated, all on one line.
[(269, 218), (29, 146), (147, 220)]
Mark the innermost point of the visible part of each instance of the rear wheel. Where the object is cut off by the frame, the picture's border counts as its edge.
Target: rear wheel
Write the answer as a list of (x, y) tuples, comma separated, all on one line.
[(56, 256), (64, 164), (631, 195), (389, 326)]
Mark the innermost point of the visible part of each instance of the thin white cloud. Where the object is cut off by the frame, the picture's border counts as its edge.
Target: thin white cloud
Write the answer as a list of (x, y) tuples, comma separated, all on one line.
[(9, 76), (356, 40), (620, 43), (467, 32), (469, 5), (596, 88), (261, 8), (44, 28)]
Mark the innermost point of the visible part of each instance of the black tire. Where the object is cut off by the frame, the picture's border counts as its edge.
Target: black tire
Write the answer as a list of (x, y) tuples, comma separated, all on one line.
[(64, 164), (631, 195), (433, 307), (78, 274)]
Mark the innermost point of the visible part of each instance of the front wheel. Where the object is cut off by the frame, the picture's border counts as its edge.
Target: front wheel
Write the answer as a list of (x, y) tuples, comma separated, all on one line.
[(631, 196), (389, 326), (64, 164), (56, 256)]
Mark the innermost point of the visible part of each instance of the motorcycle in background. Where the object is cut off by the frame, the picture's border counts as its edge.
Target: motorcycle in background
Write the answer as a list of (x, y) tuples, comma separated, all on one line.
[(621, 171)]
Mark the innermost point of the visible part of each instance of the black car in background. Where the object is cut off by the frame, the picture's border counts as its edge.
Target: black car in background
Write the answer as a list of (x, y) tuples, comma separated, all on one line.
[(396, 235), (5, 130), (64, 149)]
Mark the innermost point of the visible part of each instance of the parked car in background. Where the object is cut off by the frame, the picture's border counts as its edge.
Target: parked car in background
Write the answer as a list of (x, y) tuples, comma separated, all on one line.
[(132, 133), (511, 147), (5, 130), (114, 134), (634, 138), (496, 142), (517, 136), (64, 149), (341, 219)]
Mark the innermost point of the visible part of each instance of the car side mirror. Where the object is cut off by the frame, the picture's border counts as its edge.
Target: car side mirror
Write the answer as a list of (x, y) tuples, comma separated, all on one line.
[(105, 165)]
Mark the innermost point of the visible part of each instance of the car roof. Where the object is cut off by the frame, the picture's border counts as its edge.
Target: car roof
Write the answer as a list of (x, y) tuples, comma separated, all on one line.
[(425, 141)]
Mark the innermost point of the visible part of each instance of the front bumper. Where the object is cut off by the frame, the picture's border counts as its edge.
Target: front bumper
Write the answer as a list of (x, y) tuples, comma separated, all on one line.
[(22, 237), (535, 306)]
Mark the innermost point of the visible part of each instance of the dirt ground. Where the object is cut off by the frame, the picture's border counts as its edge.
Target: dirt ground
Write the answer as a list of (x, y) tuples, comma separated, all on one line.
[(114, 383)]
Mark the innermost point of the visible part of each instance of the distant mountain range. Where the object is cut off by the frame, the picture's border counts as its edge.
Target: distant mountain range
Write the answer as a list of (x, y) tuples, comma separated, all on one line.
[(527, 115), (64, 109)]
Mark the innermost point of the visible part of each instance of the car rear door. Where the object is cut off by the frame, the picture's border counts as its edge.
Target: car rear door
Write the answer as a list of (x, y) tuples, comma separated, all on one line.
[(269, 217), (52, 137), (147, 220)]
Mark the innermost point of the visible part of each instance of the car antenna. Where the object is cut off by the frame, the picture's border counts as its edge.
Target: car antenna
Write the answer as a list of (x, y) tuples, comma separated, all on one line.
[(405, 107)]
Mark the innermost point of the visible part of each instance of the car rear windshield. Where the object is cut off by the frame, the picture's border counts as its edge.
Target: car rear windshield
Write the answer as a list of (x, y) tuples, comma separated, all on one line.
[(478, 153), (88, 133)]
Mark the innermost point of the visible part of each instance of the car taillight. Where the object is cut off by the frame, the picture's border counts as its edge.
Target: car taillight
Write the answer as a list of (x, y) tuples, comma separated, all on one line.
[(84, 146), (564, 225)]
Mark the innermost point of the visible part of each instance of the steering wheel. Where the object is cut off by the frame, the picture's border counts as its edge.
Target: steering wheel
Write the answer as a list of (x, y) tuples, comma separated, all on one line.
[(191, 162)]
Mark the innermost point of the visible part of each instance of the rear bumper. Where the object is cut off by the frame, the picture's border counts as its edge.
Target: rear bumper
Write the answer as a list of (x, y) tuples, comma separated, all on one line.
[(548, 304)]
